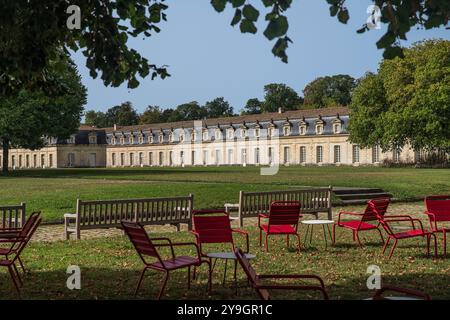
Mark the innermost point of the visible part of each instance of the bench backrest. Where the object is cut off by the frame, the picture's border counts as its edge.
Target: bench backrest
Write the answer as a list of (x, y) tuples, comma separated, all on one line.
[(12, 216), (97, 213), (312, 200)]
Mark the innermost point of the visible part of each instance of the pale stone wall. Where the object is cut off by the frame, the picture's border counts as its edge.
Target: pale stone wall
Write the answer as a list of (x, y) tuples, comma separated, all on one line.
[(231, 152), (58, 157)]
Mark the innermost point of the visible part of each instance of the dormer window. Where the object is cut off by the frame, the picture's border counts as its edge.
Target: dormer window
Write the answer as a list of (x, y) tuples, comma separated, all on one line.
[(230, 133), (141, 139), (181, 137), (122, 140), (205, 135), (302, 129), (131, 138), (150, 138), (337, 128), (171, 137), (71, 140), (161, 138), (319, 128), (257, 132), (194, 135), (218, 134), (243, 133), (93, 139), (286, 130), (113, 140), (271, 131)]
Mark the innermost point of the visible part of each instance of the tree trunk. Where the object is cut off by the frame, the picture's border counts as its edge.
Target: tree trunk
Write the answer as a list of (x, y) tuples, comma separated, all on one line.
[(5, 144)]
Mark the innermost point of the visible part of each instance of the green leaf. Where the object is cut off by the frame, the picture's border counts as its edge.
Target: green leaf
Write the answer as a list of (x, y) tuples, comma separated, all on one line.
[(343, 16), (363, 29), (247, 26), (250, 12), (237, 3), (268, 3), (219, 5), (334, 10), (276, 28), (237, 17)]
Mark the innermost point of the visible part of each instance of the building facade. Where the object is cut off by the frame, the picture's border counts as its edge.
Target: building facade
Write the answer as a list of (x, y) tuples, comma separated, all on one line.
[(86, 148), (299, 137)]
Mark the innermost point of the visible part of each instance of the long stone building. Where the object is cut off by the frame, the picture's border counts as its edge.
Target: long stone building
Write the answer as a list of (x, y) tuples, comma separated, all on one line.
[(299, 137)]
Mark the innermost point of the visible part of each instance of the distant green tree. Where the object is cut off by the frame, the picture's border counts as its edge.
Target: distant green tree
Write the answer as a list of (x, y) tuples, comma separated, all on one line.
[(187, 111), (122, 115), (95, 118), (408, 101), (279, 95), (329, 91), (253, 106), (153, 114), (217, 108), (31, 115)]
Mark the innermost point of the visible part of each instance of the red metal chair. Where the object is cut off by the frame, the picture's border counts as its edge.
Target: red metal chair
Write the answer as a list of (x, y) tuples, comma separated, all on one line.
[(214, 227), (379, 294), (375, 208), (147, 249), (16, 234), (282, 219), (412, 233), (261, 287), (18, 244), (438, 211)]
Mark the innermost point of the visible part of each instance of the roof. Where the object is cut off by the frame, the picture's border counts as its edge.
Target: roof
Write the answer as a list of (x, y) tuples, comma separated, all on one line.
[(263, 117)]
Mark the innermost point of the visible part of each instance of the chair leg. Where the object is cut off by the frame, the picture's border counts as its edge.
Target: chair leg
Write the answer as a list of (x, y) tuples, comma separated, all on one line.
[(381, 235), (267, 243), (393, 248), (260, 237), (189, 277), (333, 238), (13, 277), (18, 274), (445, 243), (386, 244), (435, 245), (163, 286), (194, 273), (140, 281), (358, 240), (287, 241), (298, 243), (428, 245), (21, 265)]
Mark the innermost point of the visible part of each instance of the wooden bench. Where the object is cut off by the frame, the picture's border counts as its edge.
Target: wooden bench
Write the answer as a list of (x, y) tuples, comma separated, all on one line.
[(312, 201), (12, 216), (108, 213)]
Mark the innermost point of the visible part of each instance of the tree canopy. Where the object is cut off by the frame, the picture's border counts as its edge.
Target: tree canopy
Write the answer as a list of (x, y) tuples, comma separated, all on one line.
[(253, 106), (31, 30), (31, 115), (279, 95), (218, 107), (329, 91), (408, 101)]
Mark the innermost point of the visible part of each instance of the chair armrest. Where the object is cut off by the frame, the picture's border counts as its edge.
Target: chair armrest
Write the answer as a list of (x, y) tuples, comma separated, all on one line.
[(261, 215), (170, 244), (244, 233), (179, 244), (70, 215), (348, 213), (404, 218)]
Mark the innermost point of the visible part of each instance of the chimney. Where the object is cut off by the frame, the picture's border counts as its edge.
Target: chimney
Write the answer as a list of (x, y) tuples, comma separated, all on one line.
[(280, 110), (115, 127)]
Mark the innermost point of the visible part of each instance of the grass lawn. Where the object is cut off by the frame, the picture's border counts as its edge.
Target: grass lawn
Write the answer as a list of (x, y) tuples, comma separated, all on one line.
[(54, 192), (110, 269)]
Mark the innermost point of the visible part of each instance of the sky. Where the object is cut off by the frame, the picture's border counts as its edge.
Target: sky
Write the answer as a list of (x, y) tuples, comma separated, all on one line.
[(208, 58)]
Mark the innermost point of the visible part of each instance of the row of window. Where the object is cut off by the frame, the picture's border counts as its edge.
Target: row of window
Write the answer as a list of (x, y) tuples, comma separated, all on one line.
[(122, 159), (231, 134), (29, 161)]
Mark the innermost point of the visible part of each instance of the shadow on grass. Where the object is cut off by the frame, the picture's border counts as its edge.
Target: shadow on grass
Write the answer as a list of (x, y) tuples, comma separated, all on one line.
[(108, 284)]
